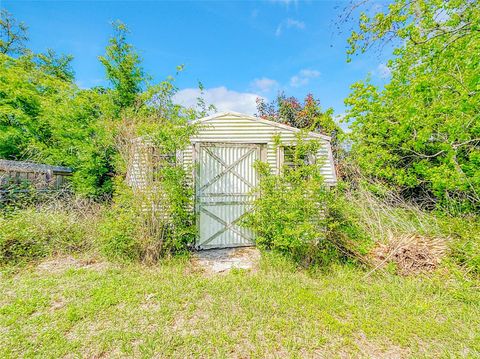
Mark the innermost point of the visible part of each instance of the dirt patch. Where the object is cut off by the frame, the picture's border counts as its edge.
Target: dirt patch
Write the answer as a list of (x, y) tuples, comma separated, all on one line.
[(57, 304), (223, 260), (411, 254), (150, 303), (373, 350), (62, 264)]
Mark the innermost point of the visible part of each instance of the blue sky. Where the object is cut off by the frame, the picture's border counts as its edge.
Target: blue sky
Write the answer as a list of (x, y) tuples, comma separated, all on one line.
[(238, 50)]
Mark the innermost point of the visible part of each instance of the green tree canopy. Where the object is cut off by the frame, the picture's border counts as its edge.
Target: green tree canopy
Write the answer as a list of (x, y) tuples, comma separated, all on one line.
[(59, 66), (122, 66), (421, 132), (13, 34), (292, 112), (48, 119)]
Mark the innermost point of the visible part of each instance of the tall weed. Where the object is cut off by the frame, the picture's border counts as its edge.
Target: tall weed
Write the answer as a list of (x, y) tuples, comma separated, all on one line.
[(149, 224), (56, 228)]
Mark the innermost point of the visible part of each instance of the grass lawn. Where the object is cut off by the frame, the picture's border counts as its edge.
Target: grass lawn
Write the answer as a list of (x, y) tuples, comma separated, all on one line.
[(174, 310)]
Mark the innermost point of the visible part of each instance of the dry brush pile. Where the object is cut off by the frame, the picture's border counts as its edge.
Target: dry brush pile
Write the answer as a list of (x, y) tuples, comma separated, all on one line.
[(398, 233)]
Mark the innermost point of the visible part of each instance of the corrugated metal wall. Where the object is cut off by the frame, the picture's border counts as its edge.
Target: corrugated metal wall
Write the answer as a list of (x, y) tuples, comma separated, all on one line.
[(139, 167), (231, 128)]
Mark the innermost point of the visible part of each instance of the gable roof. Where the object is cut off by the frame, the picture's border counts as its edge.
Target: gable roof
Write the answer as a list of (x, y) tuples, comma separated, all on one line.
[(261, 120)]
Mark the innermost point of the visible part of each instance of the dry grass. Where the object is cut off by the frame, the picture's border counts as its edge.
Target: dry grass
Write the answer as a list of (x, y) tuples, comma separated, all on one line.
[(388, 217), (411, 254), (401, 233), (58, 226)]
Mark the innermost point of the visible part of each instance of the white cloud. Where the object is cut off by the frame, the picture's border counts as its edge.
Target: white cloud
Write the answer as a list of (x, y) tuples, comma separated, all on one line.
[(223, 99), (288, 24), (303, 77), (295, 23), (264, 85), (383, 71), (309, 73)]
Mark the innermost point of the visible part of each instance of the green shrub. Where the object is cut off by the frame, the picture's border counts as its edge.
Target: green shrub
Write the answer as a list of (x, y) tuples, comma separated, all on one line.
[(290, 214), (24, 195), (149, 224), (153, 218), (345, 228), (34, 233)]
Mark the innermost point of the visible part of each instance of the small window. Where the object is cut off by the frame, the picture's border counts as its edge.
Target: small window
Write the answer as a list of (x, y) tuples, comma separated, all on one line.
[(289, 157), (160, 160)]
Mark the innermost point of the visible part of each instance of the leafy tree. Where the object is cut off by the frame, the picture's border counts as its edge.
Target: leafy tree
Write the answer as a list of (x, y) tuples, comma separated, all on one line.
[(123, 70), (55, 65), (23, 93), (421, 132), (13, 35), (290, 111), (307, 115), (49, 119), (45, 117)]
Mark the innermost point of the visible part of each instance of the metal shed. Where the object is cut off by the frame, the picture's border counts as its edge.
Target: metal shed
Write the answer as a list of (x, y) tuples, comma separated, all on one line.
[(222, 154)]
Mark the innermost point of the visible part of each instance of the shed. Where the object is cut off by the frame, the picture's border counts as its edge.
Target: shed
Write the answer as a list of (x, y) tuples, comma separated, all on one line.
[(222, 154)]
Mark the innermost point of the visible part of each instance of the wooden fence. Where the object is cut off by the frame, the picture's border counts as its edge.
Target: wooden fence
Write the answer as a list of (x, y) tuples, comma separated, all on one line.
[(15, 175)]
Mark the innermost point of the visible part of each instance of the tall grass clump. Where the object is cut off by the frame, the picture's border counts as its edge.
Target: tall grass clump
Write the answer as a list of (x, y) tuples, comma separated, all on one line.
[(149, 223), (386, 215), (464, 244), (402, 233), (56, 227)]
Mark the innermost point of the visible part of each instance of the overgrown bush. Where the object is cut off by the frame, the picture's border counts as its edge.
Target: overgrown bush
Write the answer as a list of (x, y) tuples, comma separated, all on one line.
[(297, 215), (386, 214), (344, 227), (118, 230), (16, 195), (26, 194), (366, 221), (289, 214), (146, 225), (155, 217), (32, 233), (419, 130)]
